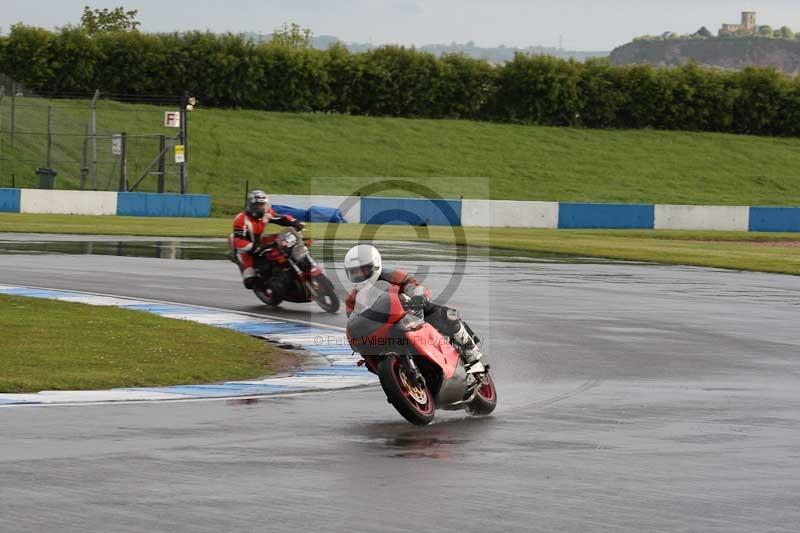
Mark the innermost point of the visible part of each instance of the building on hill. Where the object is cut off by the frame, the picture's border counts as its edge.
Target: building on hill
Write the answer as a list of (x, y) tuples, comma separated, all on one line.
[(748, 25)]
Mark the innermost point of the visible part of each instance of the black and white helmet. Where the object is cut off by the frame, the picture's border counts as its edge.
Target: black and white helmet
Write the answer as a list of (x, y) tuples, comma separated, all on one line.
[(363, 265), (257, 203)]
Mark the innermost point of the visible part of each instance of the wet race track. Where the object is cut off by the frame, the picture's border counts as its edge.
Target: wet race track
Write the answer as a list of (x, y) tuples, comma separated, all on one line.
[(631, 396)]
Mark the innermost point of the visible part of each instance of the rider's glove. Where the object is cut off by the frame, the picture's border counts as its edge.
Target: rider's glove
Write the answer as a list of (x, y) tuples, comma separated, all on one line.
[(416, 303), (296, 224)]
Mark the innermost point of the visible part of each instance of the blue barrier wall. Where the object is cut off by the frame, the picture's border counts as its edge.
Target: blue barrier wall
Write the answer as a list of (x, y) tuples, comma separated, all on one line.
[(141, 204), (413, 211), (775, 219), (613, 216), (9, 200)]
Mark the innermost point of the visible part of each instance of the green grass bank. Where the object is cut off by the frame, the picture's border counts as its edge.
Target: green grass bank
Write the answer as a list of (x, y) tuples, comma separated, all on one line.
[(283, 152), (51, 345)]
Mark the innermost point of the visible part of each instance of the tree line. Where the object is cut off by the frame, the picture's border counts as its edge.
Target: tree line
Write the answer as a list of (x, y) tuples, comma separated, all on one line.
[(231, 71)]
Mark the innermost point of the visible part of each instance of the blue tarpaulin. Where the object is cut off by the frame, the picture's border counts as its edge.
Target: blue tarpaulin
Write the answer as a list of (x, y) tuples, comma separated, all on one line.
[(296, 212), (320, 213)]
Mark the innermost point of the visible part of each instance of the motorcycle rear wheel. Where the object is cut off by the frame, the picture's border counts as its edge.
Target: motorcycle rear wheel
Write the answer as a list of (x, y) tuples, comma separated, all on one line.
[(485, 399), (322, 292), (412, 401)]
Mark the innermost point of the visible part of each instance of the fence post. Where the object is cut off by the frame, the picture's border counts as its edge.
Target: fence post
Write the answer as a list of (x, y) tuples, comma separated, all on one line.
[(13, 111), (123, 165), (162, 162), (84, 158), (2, 94), (183, 131), (49, 135), (93, 126)]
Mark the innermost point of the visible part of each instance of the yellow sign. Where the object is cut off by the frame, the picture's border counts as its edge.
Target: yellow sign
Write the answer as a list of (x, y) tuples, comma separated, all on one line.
[(180, 153)]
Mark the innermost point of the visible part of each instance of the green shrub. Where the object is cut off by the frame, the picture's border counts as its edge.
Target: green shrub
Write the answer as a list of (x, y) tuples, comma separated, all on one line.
[(229, 71)]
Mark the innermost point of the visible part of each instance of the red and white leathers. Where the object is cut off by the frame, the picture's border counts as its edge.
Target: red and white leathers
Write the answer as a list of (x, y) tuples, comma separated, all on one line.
[(248, 234), (408, 284), (436, 315)]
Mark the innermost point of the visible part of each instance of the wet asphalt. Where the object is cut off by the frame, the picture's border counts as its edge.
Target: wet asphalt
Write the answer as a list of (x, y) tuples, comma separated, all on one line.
[(631, 397)]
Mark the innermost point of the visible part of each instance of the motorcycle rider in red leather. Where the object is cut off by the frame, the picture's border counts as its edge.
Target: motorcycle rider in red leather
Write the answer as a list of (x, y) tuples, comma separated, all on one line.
[(363, 265), (248, 238)]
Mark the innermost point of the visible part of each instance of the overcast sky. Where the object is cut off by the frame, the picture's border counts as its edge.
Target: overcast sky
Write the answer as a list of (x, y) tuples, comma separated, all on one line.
[(584, 24)]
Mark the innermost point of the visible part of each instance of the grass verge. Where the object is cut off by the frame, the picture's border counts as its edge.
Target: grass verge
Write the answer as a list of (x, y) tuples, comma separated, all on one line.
[(767, 252), (51, 345)]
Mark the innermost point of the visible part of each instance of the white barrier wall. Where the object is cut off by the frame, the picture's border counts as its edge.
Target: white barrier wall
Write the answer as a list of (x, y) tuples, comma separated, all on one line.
[(351, 207), (509, 213), (68, 202), (702, 217)]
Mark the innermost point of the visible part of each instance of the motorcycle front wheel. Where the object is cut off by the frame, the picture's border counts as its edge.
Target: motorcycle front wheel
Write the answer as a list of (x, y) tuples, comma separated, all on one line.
[(413, 401), (485, 399), (322, 292)]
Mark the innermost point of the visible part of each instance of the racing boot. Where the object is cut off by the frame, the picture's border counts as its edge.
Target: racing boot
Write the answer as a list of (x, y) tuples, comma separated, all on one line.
[(469, 350)]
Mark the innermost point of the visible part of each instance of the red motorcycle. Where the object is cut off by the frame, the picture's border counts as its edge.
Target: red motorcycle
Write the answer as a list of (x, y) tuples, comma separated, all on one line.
[(286, 271), (419, 369)]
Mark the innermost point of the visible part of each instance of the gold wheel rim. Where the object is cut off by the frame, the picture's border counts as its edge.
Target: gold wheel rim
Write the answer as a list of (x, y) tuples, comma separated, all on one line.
[(416, 392)]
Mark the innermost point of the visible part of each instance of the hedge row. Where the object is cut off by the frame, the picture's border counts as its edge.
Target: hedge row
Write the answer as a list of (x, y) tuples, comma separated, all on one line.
[(228, 71)]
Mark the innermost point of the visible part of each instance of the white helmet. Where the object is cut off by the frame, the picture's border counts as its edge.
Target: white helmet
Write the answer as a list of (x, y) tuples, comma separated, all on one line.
[(362, 264)]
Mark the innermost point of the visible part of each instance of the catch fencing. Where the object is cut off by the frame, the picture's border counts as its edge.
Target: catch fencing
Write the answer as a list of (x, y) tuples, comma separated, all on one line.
[(91, 142)]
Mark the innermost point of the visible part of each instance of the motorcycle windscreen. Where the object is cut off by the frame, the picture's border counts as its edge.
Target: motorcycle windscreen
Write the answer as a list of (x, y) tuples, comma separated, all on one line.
[(287, 238), (299, 251)]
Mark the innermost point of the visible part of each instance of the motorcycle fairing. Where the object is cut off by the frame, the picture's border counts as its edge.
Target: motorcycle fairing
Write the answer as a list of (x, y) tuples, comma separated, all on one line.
[(430, 344)]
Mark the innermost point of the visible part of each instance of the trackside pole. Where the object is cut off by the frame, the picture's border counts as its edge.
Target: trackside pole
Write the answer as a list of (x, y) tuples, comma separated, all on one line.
[(85, 159), (13, 111), (49, 136), (184, 166), (162, 147), (93, 132), (2, 94), (123, 166)]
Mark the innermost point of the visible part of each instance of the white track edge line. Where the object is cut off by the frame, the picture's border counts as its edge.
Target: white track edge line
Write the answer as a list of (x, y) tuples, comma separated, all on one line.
[(259, 397)]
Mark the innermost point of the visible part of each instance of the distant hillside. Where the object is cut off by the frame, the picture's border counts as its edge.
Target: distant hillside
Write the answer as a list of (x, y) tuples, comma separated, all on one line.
[(728, 53), (496, 54)]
